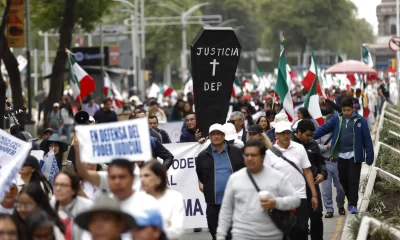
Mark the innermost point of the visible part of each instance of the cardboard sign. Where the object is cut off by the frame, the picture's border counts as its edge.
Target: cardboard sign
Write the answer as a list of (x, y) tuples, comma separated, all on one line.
[(101, 143), (13, 153), (215, 54)]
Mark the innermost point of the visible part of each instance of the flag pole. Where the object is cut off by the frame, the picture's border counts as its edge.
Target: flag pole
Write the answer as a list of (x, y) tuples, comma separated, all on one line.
[(69, 62)]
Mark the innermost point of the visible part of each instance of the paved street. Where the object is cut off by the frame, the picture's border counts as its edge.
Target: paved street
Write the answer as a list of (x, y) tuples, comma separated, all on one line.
[(332, 228)]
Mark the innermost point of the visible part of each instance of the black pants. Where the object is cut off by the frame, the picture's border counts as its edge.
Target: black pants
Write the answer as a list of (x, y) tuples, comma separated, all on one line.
[(317, 224), (349, 177), (212, 213), (300, 230)]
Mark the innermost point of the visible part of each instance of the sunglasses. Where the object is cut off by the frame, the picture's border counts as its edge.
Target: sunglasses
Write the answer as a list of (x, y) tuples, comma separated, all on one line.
[(231, 121)]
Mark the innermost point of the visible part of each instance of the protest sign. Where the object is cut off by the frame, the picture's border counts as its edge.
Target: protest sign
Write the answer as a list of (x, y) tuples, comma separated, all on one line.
[(49, 166), (215, 54), (13, 153), (38, 154), (101, 143), (182, 177)]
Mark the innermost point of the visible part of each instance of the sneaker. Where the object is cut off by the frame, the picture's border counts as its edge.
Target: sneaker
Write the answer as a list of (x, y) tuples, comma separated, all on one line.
[(342, 211), (353, 210), (329, 215)]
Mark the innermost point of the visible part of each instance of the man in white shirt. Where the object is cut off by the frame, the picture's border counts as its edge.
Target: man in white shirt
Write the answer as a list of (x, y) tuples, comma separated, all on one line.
[(120, 179), (297, 176)]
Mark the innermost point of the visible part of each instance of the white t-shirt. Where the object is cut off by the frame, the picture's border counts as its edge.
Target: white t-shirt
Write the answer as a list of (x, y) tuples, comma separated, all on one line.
[(173, 213), (137, 184), (91, 191), (298, 155), (66, 117)]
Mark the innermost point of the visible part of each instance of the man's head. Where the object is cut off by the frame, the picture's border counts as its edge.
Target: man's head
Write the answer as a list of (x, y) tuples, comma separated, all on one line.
[(120, 178), (56, 107), (358, 92), (107, 105), (191, 121), (10, 197), (153, 121), (153, 106), (149, 226), (254, 132), (216, 134), (254, 153), (347, 107), (237, 119), (304, 130), (283, 129)]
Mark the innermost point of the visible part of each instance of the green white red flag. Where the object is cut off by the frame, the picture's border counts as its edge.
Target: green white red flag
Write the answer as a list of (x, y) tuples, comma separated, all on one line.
[(282, 87), (82, 84), (311, 102), (313, 74), (111, 92)]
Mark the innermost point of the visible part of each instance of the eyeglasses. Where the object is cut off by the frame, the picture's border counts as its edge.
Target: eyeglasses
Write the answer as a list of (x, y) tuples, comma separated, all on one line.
[(20, 205), (231, 121), (61, 185)]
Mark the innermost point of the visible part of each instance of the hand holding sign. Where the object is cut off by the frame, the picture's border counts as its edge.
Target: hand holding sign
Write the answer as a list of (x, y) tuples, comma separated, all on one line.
[(215, 54)]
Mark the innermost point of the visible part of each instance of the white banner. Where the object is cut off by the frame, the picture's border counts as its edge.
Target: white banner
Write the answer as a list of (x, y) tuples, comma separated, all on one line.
[(182, 177), (13, 153), (101, 143), (173, 129)]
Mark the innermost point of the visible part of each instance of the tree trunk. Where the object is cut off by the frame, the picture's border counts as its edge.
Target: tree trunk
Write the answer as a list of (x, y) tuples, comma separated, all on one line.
[(2, 83), (58, 71), (14, 74)]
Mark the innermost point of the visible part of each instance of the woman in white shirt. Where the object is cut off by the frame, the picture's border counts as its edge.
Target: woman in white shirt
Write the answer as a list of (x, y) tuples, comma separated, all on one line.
[(154, 181), (68, 117)]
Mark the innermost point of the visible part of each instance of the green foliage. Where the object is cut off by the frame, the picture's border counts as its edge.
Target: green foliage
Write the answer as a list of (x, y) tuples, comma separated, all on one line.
[(47, 14), (388, 161), (389, 138)]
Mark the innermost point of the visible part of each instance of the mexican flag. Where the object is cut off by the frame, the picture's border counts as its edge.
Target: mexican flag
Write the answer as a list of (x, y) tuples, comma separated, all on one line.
[(282, 87), (311, 102), (237, 87), (111, 92), (81, 83), (311, 75), (366, 56)]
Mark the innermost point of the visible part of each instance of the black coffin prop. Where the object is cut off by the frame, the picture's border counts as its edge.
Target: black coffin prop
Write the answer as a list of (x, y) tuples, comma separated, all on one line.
[(215, 54)]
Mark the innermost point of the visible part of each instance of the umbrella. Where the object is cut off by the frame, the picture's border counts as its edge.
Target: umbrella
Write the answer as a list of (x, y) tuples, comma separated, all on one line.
[(350, 67)]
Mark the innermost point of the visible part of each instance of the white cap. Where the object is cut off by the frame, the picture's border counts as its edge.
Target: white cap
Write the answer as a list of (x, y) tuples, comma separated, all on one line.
[(281, 123), (56, 104), (230, 132), (216, 127), (91, 119)]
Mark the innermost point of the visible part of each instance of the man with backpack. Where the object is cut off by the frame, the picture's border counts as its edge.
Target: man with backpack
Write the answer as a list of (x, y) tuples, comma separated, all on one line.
[(54, 119)]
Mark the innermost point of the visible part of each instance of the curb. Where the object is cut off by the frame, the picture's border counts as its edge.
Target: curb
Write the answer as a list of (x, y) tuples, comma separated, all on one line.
[(367, 224)]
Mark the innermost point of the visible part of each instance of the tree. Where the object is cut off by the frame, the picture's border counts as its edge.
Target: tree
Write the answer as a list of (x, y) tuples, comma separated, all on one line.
[(76, 14), (309, 22), (2, 83)]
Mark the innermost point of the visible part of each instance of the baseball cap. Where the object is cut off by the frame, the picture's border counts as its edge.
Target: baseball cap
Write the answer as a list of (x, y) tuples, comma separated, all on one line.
[(281, 123), (149, 218), (230, 132), (255, 129), (216, 127), (56, 105), (91, 119), (49, 130)]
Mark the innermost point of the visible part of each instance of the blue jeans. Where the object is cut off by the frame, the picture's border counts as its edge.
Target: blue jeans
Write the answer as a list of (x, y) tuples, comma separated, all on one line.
[(333, 175), (67, 129)]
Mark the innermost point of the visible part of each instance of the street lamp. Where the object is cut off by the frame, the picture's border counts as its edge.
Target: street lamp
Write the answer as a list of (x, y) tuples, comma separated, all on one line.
[(184, 16)]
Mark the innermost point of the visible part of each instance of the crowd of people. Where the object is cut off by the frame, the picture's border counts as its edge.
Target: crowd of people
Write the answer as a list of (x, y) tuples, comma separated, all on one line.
[(262, 176)]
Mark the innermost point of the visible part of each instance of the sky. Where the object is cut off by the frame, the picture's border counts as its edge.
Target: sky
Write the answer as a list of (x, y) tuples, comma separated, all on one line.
[(367, 10)]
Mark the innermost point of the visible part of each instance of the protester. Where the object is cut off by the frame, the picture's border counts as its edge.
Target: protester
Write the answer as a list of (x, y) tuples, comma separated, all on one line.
[(54, 119), (302, 113), (91, 107), (255, 132), (177, 111), (187, 109), (363, 100), (303, 135), (214, 167), (32, 198), (67, 202), (106, 114), (149, 226), (299, 174), (40, 225), (237, 119), (9, 228), (47, 133), (105, 219), (59, 147), (68, 121), (32, 173), (333, 176), (153, 122), (154, 182), (242, 102), (7, 205), (155, 110), (244, 208), (247, 116), (352, 145), (191, 132)]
